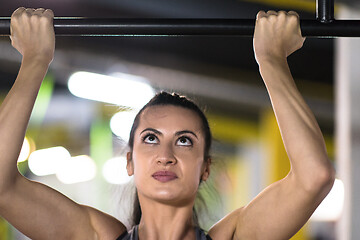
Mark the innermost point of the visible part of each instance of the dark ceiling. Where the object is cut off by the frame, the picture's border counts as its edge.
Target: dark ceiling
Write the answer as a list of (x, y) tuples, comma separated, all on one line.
[(314, 63)]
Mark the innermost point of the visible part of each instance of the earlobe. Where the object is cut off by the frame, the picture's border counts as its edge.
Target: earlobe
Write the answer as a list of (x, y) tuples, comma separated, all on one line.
[(129, 164)]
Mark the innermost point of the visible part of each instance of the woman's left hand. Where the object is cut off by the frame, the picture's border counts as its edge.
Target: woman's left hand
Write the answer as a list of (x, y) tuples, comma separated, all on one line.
[(277, 35)]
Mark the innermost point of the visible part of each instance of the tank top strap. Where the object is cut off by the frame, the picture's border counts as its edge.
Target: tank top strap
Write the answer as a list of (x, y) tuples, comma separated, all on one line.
[(131, 235), (200, 234)]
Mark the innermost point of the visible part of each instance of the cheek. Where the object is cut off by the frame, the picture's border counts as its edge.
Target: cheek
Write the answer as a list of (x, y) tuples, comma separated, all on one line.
[(194, 158), (192, 168), (143, 161), (143, 156)]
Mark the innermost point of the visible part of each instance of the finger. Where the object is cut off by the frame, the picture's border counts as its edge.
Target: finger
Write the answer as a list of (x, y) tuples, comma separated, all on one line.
[(14, 16), (282, 13), (48, 13), (18, 11), (260, 14), (29, 11), (271, 12), (39, 11), (296, 15), (293, 13)]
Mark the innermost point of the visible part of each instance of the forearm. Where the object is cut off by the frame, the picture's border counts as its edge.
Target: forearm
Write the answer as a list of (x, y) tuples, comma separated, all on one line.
[(300, 132), (15, 112)]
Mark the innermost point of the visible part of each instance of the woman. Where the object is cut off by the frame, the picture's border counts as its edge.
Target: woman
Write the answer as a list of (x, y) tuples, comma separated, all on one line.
[(169, 155)]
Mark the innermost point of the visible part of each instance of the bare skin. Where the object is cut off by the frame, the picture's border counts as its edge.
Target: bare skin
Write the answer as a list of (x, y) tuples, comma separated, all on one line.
[(284, 207), (168, 138), (162, 143)]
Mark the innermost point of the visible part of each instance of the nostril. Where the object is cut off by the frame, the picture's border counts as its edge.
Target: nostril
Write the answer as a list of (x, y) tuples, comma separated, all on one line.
[(166, 161), (171, 161)]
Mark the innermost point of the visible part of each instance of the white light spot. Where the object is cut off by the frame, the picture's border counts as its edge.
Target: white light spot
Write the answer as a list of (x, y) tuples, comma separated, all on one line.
[(331, 207), (124, 89), (77, 169), (25, 151), (121, 124), (47, 161), (114, 171)]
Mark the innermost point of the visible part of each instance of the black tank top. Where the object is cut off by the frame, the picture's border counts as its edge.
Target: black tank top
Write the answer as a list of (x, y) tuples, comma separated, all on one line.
[(133, 234)]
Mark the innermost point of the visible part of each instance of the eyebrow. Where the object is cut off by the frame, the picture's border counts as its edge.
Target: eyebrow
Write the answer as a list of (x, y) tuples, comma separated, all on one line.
[(186, 131), (176, 134), (152, 130)]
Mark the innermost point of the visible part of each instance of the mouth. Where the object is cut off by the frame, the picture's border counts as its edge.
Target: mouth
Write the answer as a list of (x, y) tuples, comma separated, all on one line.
[(164, 176)]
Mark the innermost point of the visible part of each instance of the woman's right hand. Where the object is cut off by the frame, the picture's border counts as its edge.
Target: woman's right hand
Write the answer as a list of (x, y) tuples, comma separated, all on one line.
[(32, 33)]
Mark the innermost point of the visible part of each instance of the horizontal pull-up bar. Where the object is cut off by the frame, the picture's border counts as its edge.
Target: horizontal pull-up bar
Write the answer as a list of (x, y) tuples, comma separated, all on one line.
[(184, 27)]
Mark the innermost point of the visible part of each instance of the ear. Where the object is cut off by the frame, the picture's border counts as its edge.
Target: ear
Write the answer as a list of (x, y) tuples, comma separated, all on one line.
[(206, 170), (129, 164)]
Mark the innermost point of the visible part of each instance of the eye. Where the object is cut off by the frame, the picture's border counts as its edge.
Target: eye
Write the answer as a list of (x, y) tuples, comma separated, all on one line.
[(150, 139), (184, 141)]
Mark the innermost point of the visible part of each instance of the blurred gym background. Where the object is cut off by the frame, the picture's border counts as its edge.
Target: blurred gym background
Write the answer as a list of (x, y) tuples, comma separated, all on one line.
[(74, 143)]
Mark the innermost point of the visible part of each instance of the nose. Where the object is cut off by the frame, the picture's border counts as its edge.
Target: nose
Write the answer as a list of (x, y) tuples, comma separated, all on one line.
[(166, 156)]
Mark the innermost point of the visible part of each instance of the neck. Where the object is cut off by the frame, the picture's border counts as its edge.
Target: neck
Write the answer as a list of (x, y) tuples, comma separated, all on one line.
[(166, 221)]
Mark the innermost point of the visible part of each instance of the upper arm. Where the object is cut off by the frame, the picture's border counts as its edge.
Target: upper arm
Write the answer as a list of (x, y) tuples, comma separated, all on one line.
[(278, 212), (41, 212), (225, 228), (105, 225)]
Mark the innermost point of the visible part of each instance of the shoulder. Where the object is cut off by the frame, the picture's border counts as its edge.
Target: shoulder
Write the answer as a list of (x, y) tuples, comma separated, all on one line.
[(226, 227), (105, 225)]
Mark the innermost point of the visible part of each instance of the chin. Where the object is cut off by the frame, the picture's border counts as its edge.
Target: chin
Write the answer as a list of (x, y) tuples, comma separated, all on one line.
[(170, 196), (166, 195)]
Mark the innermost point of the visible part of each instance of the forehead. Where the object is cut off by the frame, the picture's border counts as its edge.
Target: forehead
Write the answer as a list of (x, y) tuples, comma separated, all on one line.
[(169, 116)]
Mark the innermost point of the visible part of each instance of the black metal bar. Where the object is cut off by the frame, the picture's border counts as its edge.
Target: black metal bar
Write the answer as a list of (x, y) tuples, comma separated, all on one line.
[(185, 27), (325, 10)]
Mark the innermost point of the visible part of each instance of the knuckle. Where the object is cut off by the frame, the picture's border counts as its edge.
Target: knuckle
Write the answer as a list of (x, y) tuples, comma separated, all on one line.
[(261, 13), (16, 12), (262, 20), (17, 15), (49, 12), (293, 13), (24, 15), (272, 18), (293, 18), (44, 20), (29, 11)]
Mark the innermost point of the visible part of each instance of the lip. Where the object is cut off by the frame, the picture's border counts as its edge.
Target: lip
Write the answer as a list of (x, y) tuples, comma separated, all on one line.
[(164, 176)]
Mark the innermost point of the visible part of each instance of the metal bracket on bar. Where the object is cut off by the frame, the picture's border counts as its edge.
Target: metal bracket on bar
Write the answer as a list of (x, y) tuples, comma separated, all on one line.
[(325, 11)]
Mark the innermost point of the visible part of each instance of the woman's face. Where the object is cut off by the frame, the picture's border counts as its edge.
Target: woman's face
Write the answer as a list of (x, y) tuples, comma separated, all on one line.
[(168, 155)]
